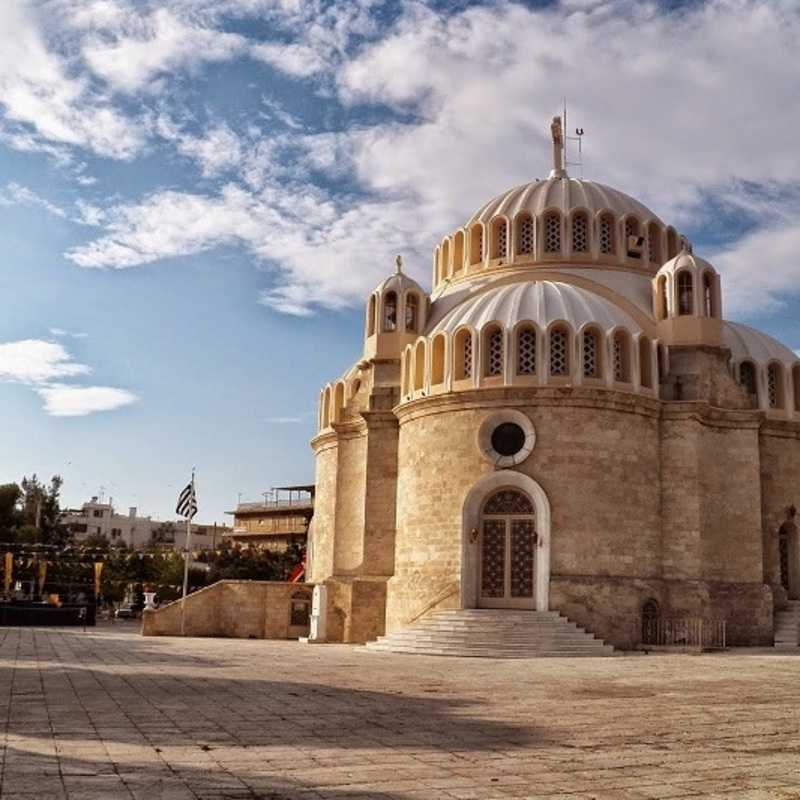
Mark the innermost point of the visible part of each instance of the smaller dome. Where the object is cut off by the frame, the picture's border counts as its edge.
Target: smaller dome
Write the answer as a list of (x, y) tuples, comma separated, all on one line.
[(541, 302), (746, 343), (686, 260), (398, 282)]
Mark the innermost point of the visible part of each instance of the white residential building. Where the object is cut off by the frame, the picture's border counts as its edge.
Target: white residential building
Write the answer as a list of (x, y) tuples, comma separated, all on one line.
[(99, 518)]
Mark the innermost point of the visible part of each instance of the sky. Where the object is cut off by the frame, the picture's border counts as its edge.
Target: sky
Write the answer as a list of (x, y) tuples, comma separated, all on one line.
[(197, 196)]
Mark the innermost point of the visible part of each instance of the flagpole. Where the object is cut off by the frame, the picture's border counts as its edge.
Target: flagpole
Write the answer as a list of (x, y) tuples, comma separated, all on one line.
[(186, 561)]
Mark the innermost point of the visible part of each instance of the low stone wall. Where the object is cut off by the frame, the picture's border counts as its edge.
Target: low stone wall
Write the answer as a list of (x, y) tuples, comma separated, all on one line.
[(234, 609)]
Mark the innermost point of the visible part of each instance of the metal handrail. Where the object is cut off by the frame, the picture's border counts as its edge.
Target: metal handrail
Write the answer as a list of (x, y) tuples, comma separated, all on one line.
[(701, 633)]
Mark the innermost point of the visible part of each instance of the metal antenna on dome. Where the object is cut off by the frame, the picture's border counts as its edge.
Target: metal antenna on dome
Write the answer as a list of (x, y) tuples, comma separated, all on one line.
[(578, 137)]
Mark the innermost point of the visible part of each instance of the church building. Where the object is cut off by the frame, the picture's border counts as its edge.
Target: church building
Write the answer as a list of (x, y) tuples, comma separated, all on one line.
[(565, 423)]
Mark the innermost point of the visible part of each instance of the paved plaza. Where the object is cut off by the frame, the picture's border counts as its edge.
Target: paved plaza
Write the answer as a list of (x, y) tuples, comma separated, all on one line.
[(107, 714)]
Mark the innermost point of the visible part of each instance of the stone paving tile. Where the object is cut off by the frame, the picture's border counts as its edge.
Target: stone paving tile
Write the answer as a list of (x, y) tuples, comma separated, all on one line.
[(108, 715)]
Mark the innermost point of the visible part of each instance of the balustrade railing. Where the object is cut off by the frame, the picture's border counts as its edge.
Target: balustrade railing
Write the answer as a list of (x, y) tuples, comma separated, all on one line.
[(691, 633)]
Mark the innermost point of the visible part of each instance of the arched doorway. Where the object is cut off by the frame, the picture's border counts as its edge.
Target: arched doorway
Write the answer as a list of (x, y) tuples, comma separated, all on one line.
[(507, 551), (478, 509)]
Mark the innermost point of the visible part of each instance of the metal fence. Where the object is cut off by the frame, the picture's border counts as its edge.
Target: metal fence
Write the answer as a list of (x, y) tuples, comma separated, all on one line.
[(691, 633)]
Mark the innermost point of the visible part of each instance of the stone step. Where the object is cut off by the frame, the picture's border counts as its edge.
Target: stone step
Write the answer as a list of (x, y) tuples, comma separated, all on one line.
[(491, 633), (786, 628)]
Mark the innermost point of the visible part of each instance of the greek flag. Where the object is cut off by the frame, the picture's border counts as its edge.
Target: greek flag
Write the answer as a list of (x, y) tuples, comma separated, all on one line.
[(187, 502)]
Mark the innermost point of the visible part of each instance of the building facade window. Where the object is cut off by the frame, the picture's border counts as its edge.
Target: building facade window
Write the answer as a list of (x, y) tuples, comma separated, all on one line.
[(412, 313), (526, 351), (552, 232), (607, 235), (525, 240), (591, 354), (390, 312), (685, 293), (580, 233), (494, 353), (559, 352)]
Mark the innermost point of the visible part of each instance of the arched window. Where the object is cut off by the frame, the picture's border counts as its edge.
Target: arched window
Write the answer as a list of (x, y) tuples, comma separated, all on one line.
[(437, 360), (708, 295), (685, 293), (476, 244), (607, 243), (552, 232), (650, 622), (500, 238), (326, 407), (493, 352), (634, 242), (747, 377), (371, 316), (462, 355), (672, 243), (645, 363), (446, 265), (775, 385), (580, 233), (559, 352), (390, 312), (796, 386), (338, 402), (419, 366), (592, 361), (412, 312), (508, 501), (661, 298), (622, 356), (437, 264), (654, 244), (458, 252), (526, 350), (524, 235)]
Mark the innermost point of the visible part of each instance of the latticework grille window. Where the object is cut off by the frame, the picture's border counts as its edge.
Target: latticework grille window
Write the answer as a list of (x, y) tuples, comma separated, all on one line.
[(747, 377), (606, 236), (477, 242), (631, 227), (559, 356), (525, 244), (526, 352), (494, 353), (580, 234), (466, 356), (654, 246), (552, 233), (620, 356), (773, 384), (501, 232), (591, 355)]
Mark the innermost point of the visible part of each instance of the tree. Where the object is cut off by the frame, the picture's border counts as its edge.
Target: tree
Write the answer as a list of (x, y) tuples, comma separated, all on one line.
[(41, 511), (10, 511)]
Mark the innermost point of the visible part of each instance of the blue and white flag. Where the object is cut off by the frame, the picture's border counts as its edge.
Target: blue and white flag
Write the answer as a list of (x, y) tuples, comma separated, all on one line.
[(187, 502)]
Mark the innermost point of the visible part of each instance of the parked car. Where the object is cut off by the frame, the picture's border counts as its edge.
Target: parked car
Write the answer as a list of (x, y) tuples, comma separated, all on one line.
[(125, 612)]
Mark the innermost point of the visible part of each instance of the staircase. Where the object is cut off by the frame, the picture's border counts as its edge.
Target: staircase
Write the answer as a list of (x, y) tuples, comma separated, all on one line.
[(491, 633), (787, 626)]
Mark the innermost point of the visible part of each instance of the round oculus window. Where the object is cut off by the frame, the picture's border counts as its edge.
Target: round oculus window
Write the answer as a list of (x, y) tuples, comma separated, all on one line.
[(508, 439)]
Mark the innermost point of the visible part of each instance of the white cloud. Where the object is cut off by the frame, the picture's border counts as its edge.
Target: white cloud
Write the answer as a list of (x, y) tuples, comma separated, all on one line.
[(60, 332), (298, 60), (132, 49), (40, 365), (45, 106), (61, 400), (14, 194), (217, 150), (35, 361)]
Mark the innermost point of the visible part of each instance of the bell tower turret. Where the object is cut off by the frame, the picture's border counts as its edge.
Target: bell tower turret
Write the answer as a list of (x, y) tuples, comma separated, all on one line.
[(396, 314)]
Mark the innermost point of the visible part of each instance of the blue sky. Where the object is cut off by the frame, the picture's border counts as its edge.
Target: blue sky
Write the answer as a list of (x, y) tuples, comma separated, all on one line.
[(197, 195)]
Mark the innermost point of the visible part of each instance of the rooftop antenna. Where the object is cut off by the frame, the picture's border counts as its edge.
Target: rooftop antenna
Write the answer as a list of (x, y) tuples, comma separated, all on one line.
[(578, 137)]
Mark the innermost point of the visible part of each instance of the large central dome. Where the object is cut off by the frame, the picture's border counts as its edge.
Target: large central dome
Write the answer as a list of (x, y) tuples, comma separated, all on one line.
[(566, 195)]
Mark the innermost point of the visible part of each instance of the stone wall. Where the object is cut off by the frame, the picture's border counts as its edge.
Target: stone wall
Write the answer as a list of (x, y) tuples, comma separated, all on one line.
[(235, 609)]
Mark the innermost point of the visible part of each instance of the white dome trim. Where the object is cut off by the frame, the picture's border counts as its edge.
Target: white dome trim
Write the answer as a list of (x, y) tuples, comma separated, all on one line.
[(747, 343)]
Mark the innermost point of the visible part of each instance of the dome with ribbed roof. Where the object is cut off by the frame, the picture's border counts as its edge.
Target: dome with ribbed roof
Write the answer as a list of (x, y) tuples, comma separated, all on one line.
[(541, 302), (564, 194)]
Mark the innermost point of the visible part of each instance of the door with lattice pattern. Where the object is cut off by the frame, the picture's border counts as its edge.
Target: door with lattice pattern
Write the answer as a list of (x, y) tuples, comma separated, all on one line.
[(507, 547)]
